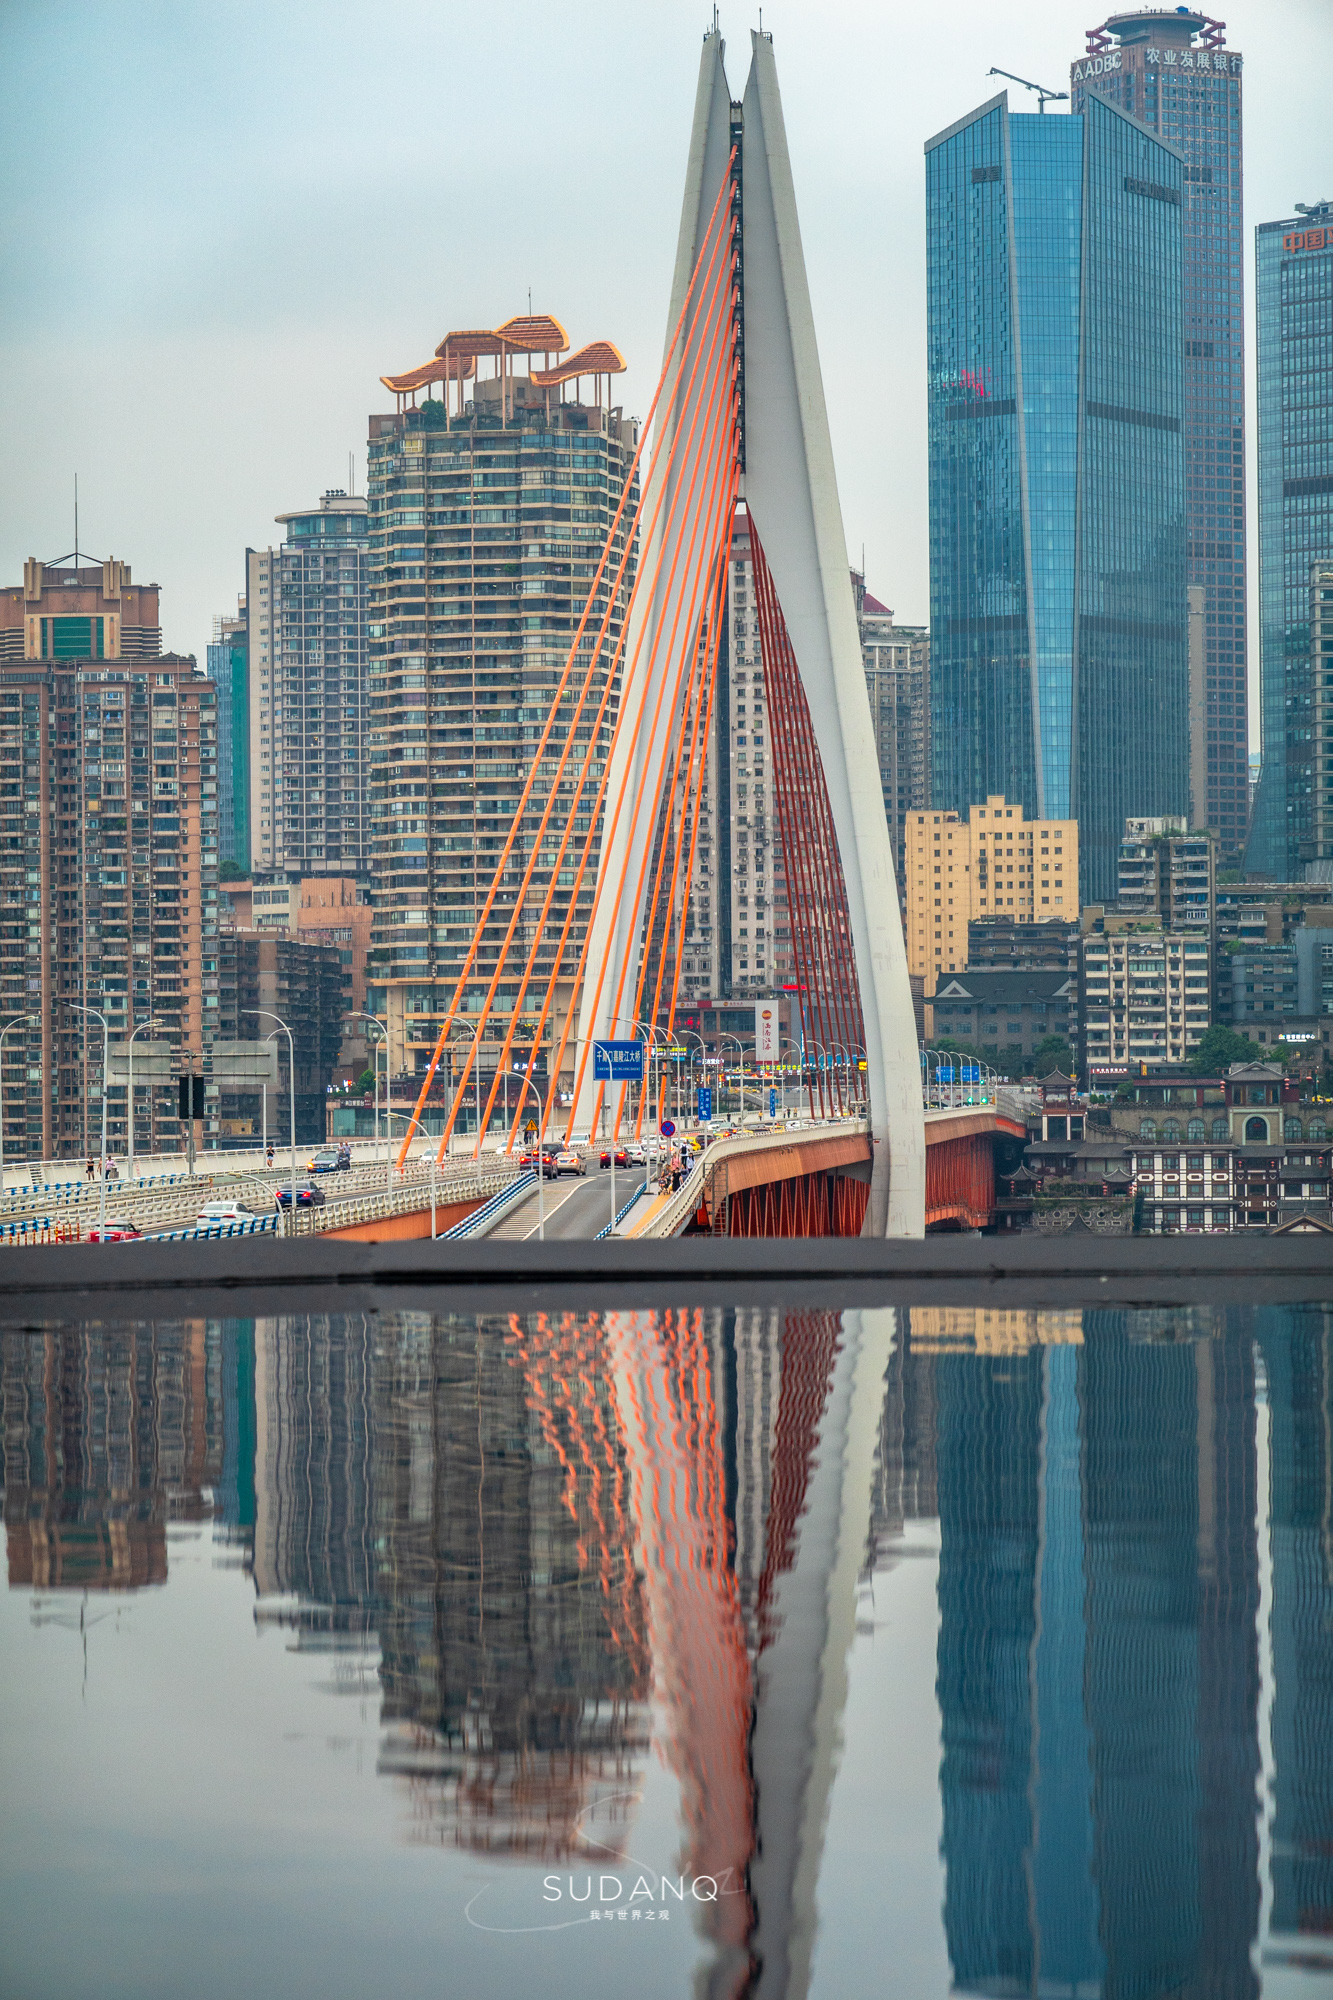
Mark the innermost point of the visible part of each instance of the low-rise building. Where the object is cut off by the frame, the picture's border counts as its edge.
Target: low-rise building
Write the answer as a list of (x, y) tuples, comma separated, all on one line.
[(1145, 997), (1017, 945), (1200, 1155), (264, 979), (1005, 1015), (331, 910)]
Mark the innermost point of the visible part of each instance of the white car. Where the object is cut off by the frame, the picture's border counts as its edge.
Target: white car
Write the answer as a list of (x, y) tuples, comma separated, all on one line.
[(636, 1156), (223, 1211)]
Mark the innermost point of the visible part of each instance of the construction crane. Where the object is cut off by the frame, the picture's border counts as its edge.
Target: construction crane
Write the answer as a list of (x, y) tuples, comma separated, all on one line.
[(1044, 96)]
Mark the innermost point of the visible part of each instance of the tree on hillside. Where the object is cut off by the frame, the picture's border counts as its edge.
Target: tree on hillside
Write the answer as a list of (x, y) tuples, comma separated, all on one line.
[(1220, 1047), (1053, 1053)]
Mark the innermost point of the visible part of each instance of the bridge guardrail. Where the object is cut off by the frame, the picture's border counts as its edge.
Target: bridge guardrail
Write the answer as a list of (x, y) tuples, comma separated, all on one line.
[(492, 1210), (610, 1228), (409, 1199), (686, 1199)]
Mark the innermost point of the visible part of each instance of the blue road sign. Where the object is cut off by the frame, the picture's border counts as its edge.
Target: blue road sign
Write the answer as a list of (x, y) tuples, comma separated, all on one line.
[(772, 1104), (617, 1062), (705, 1102), (971, 1073), (944, 1074)]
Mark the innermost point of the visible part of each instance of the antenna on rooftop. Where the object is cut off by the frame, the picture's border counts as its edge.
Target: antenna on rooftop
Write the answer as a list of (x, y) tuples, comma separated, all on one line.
[(1044, 96), (76, 520)]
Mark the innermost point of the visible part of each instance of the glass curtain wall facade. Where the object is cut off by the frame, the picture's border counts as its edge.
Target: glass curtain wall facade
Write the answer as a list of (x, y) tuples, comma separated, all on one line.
[(1169, 70), (228, 667), (485, 530), (1294, 343), (1059, 636)]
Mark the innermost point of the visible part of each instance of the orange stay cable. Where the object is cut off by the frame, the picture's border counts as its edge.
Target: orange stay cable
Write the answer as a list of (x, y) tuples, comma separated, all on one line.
[(577, 802), (706, 413), (719, 612), (678, 795), (551, 798), (446, 1030), (701, 576), (714, 472)]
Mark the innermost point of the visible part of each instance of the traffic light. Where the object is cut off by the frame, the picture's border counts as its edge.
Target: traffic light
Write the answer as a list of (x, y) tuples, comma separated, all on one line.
[(191, 1097)]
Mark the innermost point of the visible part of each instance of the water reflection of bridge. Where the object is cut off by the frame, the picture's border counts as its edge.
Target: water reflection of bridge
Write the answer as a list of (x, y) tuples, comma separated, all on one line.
[(541, 1527)]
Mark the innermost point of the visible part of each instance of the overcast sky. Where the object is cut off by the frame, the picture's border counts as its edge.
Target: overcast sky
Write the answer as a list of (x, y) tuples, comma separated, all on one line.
[(226, 221)]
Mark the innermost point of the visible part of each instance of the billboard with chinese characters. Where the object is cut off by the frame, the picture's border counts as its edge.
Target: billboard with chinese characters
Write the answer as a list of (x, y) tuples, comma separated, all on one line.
[(766, 1031)]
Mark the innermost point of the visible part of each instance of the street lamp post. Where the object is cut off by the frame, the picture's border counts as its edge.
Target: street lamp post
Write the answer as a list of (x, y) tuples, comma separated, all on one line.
[(3, 1032), (106, 1044), (129, 1059), (740, 1066), (409, 1119), (541, 1156), (269, 1015), (375, 1095)]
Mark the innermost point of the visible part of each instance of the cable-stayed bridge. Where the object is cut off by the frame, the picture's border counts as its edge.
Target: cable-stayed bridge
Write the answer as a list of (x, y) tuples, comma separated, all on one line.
[(736, 436)]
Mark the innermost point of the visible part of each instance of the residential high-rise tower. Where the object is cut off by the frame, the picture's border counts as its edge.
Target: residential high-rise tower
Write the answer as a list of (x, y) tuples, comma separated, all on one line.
[(108, 856), (489, 509), (1169, 69), (306, 643), (1294, 342), (897, 663), (1059, 618)]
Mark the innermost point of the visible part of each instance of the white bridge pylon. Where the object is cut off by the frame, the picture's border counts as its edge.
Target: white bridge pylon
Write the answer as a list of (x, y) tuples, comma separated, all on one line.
[(784, 472)]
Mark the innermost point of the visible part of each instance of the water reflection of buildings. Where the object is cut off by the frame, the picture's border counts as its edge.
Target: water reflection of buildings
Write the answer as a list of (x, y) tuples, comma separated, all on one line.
[(1098, 1660), (514, 1661), (109, 1433), (529, 1527), (1297, 1356), (456, 1492)]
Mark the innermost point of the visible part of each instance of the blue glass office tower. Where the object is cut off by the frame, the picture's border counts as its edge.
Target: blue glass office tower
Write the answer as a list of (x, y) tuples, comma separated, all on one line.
[(1059, 630), (1294, 345), (1168, 68)]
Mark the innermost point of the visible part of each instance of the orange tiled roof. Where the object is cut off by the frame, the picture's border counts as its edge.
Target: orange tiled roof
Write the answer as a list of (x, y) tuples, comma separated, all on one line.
[(599, 357)]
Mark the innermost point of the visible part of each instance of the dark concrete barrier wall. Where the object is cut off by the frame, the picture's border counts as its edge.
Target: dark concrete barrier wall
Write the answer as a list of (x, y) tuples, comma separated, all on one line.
[(259, 1275)]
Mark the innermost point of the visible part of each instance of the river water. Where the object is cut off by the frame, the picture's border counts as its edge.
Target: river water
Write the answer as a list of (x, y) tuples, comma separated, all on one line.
[(891, 1653)]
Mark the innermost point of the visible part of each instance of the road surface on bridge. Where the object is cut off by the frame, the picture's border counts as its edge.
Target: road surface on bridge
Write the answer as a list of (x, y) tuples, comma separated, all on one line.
[(574, 1209)]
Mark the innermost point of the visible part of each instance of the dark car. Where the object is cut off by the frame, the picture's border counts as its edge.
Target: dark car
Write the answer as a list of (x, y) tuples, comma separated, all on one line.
[(622, 1157), (308, 1195), (328, 1160)]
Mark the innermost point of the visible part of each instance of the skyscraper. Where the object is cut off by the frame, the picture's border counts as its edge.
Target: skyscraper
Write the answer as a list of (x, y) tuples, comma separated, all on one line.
[(1294, 343), (1059, 624), (738, 929), (897, 663), (228, 667), (488, 511), (306, 643), (1168, 69), (108, 853)]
